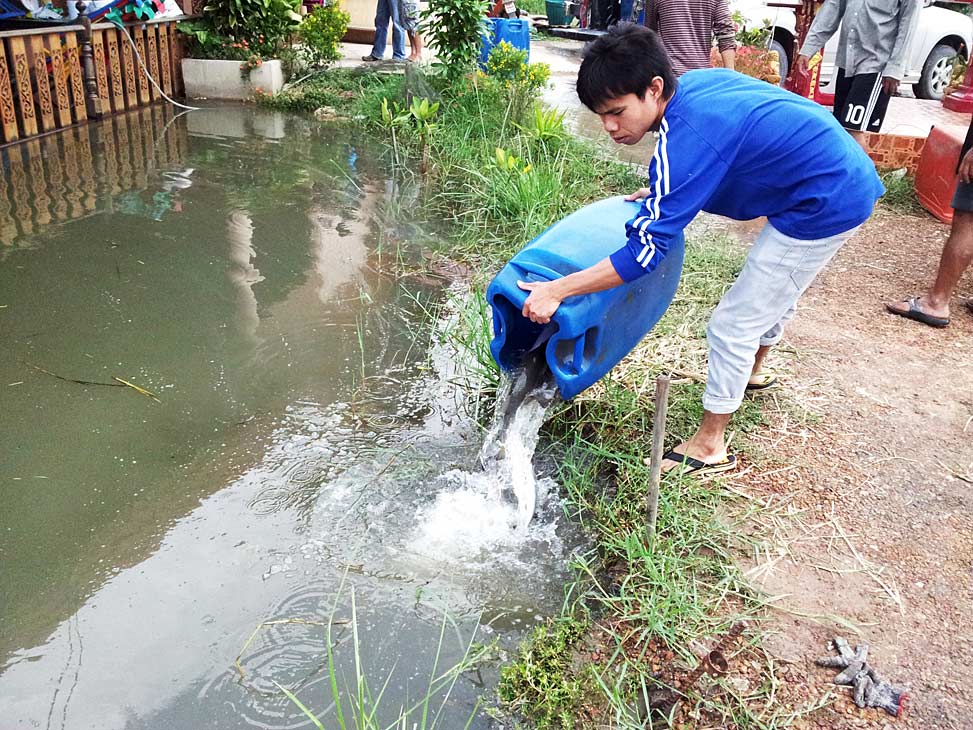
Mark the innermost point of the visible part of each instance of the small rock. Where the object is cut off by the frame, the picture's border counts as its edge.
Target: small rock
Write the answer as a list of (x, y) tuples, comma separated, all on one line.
[(325, 113), (740, 684)]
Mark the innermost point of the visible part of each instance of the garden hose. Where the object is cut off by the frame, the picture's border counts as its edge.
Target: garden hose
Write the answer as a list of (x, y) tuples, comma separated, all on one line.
[(117, 22)]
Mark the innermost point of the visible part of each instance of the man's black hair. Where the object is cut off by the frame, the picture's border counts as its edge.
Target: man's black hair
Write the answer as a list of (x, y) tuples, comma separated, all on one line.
[(623, 61)]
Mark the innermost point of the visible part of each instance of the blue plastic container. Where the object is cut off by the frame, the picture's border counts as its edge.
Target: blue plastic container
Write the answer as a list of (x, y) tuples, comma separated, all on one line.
[(513, 30), (588, 334)]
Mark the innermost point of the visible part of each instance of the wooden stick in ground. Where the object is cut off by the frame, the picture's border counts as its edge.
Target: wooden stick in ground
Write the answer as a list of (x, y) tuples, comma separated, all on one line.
[(655, 463)]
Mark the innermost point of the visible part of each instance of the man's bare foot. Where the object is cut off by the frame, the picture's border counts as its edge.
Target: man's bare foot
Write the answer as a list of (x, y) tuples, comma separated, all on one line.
[(924, 305), (921, 309), (415, 59), (708, 454)]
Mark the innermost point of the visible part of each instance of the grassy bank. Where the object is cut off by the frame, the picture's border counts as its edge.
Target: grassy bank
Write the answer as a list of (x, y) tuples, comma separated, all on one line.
[(638, 616)]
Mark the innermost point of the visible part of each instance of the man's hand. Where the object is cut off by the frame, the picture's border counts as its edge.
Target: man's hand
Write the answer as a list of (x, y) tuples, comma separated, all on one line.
[(966, 167), (800, 64), (639, 194), (542, 302), (890, 86)]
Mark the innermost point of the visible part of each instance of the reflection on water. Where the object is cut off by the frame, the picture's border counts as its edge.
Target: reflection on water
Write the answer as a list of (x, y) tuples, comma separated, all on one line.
[(165, 563), (93, 169)]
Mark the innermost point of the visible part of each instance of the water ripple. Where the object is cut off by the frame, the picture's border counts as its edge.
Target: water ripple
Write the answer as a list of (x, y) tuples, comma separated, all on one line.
[(288, 648)]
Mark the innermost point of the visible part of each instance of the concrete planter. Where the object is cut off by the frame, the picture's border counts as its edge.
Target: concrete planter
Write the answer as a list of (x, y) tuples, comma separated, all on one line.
[(212, 79)]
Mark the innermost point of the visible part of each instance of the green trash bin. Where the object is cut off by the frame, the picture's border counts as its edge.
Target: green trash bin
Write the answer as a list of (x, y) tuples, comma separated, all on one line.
[(555, 12)]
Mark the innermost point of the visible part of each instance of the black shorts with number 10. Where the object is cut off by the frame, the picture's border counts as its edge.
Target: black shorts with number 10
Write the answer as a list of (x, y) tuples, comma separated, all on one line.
[(860, 102)]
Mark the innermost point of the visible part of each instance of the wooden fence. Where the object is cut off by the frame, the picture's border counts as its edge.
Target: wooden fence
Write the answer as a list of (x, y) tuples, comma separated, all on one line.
[(85, 170), (44, 85)]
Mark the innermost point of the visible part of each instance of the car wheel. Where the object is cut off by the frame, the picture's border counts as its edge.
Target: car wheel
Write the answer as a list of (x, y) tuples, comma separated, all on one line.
[(785, 65), (937, 72)]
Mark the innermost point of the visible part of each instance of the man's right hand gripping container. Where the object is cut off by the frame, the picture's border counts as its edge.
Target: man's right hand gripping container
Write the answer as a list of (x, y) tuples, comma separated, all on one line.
[(588, 334)]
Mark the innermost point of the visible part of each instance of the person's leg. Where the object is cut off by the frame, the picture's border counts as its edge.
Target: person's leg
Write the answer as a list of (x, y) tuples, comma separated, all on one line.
[(415, 45), (758, 363), (749, 318), (758, 379), (861, 106), (409, 17), (398, 33), (956, 258), (382, 16)]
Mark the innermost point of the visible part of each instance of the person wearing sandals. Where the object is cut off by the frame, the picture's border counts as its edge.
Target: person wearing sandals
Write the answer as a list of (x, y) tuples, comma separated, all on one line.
[(932, 308), (409, 17), (738, 147), (387, 11)]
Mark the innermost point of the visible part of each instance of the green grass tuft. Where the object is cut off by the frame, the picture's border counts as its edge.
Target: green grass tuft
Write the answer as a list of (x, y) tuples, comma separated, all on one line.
[(900, 193), (541, 682)]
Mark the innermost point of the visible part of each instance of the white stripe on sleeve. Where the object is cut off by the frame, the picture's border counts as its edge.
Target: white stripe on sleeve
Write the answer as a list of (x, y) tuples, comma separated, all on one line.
[(661, 159)]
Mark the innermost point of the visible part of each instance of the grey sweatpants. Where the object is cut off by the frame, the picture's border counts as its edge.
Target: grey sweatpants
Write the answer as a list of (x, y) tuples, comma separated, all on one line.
[(755, 309)]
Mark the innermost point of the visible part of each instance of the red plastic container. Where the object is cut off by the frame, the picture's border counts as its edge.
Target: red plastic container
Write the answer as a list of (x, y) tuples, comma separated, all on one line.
[(936, 173)]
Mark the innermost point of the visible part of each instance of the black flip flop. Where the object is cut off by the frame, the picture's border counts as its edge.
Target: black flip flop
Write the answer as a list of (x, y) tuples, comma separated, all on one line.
[(918, 315), (700, 468)]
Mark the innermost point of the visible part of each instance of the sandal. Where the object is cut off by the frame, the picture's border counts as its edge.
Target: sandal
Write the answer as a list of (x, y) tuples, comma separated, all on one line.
[(764, 381), (700, 468), (915, 313)]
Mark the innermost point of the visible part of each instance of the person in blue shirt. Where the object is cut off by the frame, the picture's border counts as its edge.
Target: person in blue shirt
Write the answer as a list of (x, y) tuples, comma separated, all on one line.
[(737, 147)]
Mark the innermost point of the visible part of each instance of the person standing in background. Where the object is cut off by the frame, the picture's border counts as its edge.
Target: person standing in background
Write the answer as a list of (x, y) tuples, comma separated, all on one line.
[(409, 17), (932, 308), (387, 11), (872, 51), (687, 29)]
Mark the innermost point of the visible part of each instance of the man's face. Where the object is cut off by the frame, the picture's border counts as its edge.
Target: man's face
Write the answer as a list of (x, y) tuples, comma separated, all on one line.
[(628, 118)]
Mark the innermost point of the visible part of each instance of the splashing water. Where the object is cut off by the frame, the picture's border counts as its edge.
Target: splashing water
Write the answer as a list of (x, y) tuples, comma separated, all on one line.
[(508, 454), (508, 451), (495, 506)]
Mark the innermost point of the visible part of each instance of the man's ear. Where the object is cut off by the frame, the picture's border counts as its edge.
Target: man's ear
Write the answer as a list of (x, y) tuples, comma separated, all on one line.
[(657, 87)]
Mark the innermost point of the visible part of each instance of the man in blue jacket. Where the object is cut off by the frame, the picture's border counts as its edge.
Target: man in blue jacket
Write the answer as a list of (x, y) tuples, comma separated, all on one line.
[(741, 148)]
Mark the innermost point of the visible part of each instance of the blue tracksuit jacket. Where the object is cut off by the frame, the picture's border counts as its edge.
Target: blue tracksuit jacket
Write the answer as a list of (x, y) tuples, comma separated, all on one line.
[(742, 148)]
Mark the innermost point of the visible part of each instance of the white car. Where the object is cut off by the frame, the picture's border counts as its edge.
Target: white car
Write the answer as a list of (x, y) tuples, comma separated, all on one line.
[(941, 36)]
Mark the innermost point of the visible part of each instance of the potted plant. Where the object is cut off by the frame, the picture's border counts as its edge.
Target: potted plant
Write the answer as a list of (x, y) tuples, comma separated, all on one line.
[(753, 56), (236, 47)]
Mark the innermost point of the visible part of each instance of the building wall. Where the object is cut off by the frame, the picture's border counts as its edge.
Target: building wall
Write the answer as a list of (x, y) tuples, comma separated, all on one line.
[(362, 13)]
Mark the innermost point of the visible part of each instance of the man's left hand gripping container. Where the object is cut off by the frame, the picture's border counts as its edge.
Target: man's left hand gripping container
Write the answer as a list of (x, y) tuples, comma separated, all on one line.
[(588, 334)]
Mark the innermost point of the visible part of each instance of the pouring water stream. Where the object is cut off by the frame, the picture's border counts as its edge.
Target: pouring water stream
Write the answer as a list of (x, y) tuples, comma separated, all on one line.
[(508, 450)]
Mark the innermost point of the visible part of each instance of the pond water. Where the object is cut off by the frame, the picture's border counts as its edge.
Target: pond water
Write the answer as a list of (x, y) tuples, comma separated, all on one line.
[(167, 561)]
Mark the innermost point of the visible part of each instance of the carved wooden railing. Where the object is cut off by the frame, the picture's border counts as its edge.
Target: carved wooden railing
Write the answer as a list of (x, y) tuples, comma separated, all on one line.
[(42, 82)]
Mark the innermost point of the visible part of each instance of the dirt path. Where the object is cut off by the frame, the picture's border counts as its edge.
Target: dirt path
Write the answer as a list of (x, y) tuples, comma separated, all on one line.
[(870, 506)]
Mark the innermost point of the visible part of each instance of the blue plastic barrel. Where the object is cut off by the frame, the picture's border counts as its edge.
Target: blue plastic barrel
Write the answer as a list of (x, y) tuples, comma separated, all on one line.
[(589, 334), (513, 30), (516, 32)]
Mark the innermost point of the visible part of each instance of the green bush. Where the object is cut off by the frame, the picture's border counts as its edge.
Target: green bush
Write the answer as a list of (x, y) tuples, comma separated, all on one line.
[(321, 33), (454, 28), (757, 36), (507, 63), (239, 29), (532, 7)]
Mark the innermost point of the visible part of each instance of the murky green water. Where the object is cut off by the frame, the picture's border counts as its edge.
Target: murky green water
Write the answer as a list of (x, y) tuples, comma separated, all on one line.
[(165, 562)]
